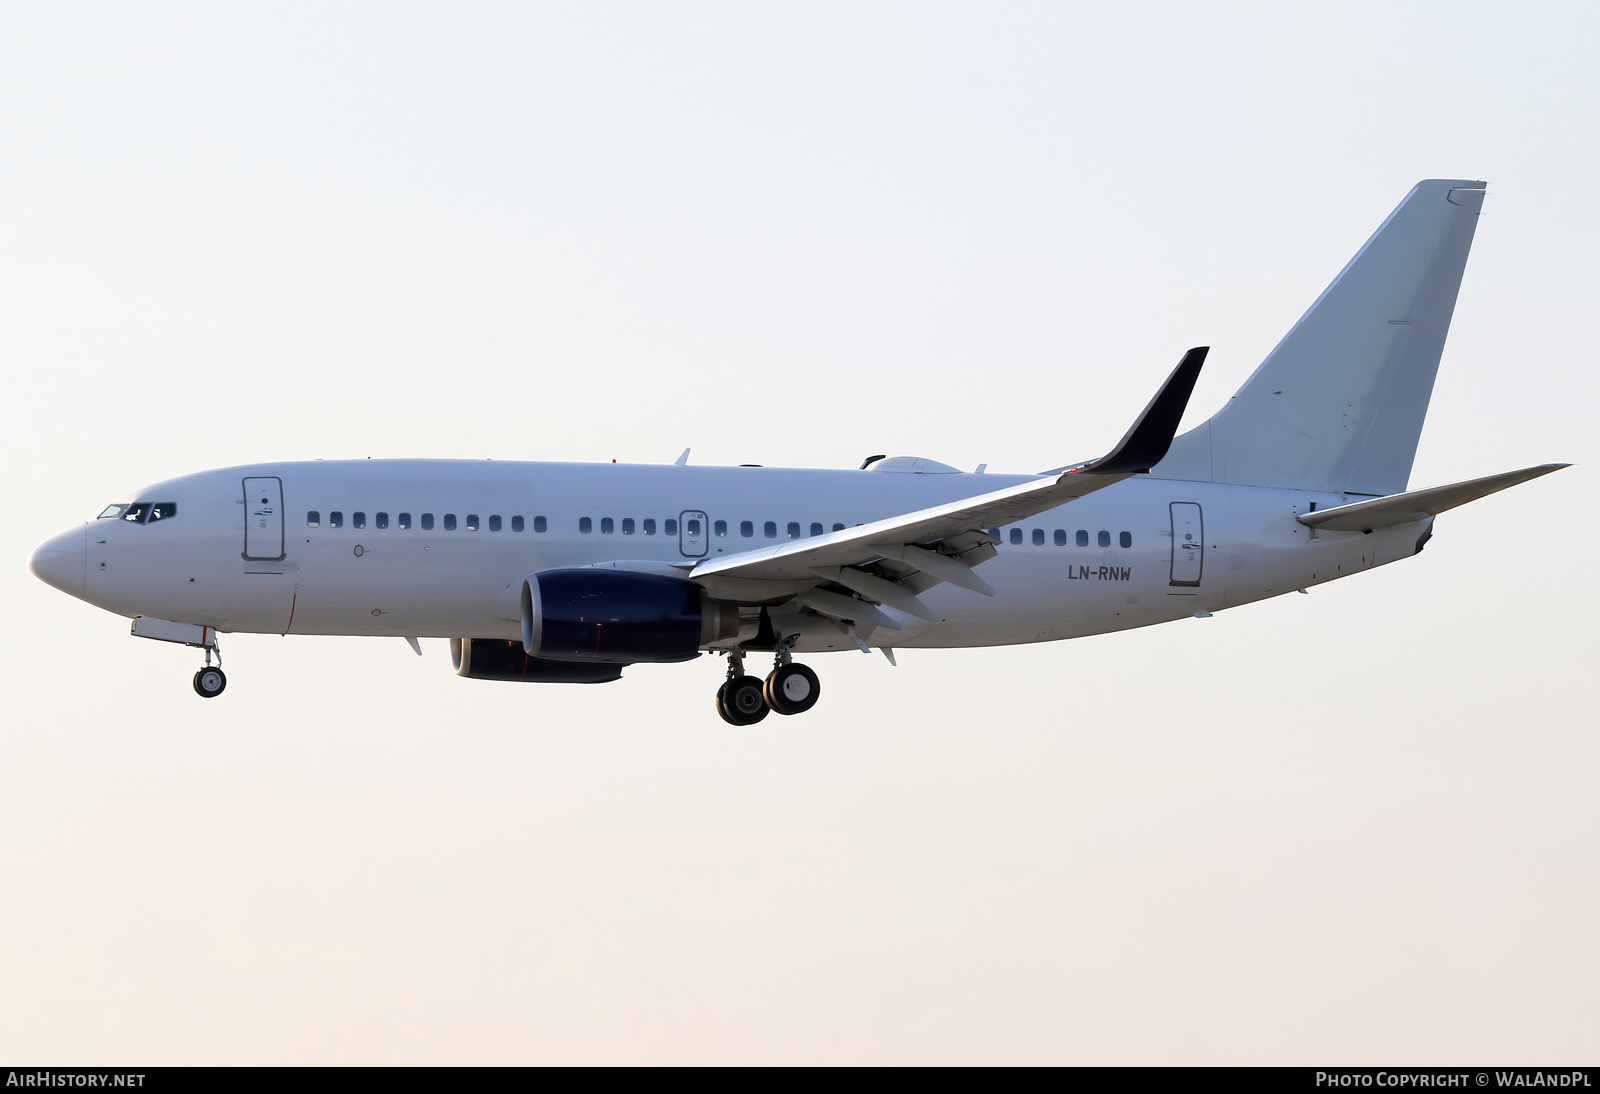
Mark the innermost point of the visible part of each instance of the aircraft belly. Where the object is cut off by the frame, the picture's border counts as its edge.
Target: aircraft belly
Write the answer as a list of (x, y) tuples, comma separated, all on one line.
[(1054, 595), (411, 589)]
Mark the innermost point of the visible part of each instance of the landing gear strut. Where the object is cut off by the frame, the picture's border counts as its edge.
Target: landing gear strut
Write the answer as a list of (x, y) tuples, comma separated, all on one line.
[(209, 681), (791, 688), (739, 699)]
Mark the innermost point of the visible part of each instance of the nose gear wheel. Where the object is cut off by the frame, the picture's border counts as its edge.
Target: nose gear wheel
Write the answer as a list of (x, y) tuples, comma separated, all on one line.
[(209, 682)]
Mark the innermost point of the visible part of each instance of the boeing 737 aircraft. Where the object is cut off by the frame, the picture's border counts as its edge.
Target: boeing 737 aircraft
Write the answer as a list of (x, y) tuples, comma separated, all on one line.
[(568, 573)]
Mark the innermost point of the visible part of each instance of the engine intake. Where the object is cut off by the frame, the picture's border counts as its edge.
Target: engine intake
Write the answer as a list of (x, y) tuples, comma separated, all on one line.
[(619, 617)]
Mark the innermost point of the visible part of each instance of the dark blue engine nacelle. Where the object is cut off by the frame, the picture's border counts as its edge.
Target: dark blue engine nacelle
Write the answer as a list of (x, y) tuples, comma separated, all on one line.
[(618, 617), (503, 659)]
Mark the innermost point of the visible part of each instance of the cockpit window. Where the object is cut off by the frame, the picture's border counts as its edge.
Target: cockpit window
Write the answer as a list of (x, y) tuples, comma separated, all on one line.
[(141, 512)]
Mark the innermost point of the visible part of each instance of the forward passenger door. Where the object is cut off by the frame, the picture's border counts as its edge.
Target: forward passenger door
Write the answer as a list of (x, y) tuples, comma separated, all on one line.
[(263, 519)]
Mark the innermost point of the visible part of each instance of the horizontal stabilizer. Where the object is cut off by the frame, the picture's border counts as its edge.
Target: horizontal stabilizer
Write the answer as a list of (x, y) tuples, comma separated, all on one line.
[(1364, 516)]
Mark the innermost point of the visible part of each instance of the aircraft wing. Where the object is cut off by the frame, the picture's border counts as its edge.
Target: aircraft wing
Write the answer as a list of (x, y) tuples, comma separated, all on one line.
[(864, 542), (1364, 516), (915, 550)]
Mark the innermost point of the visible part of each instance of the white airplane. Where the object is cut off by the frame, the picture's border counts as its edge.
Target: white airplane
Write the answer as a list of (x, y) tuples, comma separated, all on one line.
[(564, 572)]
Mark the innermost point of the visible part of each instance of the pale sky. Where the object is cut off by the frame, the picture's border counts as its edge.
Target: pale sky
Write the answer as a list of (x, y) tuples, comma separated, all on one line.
[(1358, 826)]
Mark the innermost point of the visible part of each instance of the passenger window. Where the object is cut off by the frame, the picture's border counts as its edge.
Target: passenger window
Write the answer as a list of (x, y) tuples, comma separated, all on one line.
[(518, 524), (721, 527), (427, 522), (1104, 539), (1038, 537), (585, 525), (994, 534), (1016, 535), (540, 524), (627, 526), (449, 522), (381, 520), (336, 519), (770, 529), (313, 518), (404, 521), (1082, 538), (472, 522), (607, 526), (494, 523), (1061, 537), (838, 527), (670, 526), (1125, 538), (161, 510), (746, 529), (694, 528), (816, 528), (794, 529), (649, 526), (358, 520)]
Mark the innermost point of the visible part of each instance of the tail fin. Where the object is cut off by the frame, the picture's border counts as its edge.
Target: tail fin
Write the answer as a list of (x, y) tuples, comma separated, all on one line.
[(1338, 405)]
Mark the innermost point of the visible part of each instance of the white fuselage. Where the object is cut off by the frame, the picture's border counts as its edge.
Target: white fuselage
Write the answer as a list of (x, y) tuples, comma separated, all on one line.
[(362, 579)]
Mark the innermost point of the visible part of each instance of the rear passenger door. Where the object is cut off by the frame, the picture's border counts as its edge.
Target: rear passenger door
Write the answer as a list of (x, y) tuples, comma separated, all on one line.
[(1188, 544)]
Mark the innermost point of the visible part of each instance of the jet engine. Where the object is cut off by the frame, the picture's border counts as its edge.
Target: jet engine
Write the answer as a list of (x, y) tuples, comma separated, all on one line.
[(503, 659), (619, 617)]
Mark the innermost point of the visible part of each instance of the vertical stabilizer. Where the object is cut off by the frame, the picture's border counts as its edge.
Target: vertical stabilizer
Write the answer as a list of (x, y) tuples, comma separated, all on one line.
[(1338, 405)]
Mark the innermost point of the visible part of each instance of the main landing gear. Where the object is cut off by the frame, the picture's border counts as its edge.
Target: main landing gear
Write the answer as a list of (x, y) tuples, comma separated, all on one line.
[(209, 681), (789, 689), (739, 700)]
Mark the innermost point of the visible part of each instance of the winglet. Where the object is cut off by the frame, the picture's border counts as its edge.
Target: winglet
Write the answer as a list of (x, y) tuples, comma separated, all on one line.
[(683, 460), (1143, 446)]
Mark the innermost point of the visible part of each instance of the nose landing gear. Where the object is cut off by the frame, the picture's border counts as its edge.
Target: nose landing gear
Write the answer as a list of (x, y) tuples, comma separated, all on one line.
[(209, 681), (789, 689)]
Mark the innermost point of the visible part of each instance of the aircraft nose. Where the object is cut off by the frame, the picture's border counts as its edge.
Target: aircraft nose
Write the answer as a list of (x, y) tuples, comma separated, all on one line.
[(60, 561)]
